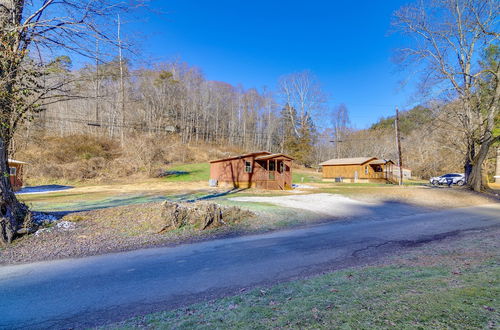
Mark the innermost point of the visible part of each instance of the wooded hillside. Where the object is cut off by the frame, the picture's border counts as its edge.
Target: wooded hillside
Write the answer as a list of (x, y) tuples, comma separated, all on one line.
[(171, 107)]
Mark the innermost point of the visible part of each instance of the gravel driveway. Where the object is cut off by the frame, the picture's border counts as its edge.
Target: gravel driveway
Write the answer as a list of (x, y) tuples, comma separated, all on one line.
[(337, 206)]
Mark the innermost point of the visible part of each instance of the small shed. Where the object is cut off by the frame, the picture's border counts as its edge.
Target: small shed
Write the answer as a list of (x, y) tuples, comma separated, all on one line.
[(359, 169), (16, 173), (406, 172), (263, 170)]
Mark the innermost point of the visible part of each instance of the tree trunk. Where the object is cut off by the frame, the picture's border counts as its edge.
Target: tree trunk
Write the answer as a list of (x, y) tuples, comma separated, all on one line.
[(475, 179), (13, 214), (470, 155)]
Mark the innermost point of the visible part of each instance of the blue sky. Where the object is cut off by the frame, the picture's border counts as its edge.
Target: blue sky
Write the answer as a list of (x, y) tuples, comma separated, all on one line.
[(347, 44)]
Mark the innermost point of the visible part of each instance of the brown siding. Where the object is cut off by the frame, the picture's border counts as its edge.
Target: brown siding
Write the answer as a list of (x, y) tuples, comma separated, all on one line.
[(17, 180), (347, 171), (232, 172)]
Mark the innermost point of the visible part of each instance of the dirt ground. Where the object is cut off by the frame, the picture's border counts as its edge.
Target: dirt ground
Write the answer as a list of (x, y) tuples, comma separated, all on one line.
[(103, 231), (426, 196)]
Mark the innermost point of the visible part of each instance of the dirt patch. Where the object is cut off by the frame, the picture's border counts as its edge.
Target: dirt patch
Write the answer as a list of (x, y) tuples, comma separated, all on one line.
[(425, 196), (323, 204), (119, 229), (460, 253), (151, 185), (335, 206)]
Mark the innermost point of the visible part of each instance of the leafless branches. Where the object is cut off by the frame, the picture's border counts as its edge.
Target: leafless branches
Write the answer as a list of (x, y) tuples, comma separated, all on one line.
[(448, 39)]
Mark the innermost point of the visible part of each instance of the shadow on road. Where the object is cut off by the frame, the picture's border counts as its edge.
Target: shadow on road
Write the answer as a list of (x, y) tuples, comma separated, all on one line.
[(44, 189)]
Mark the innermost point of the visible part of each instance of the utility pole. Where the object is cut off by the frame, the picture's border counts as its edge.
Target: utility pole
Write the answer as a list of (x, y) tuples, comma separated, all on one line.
[(97, 81), (398, 144), (122, 85)]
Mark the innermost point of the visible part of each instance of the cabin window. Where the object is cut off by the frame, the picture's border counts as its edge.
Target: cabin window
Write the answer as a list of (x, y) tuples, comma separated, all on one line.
[(282, 167), (248, 167), (366, 169), (12, 170), (272, 166)]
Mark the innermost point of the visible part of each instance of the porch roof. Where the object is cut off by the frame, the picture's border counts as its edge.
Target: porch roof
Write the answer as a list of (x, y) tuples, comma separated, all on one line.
[(380, 162), (257, 153), (13, 161), (348, 161), (271, 156)]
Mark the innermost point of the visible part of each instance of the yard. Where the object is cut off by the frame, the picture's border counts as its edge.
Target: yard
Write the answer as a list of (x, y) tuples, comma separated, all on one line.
[(124, 216)]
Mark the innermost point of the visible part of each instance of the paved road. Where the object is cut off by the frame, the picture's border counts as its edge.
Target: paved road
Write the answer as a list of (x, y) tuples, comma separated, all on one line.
[(89, 291)]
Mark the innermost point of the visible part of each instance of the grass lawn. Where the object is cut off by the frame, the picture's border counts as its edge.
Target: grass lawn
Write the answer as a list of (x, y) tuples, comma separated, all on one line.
[(80, 202), (449, 284), (308, 176), (189, 172)]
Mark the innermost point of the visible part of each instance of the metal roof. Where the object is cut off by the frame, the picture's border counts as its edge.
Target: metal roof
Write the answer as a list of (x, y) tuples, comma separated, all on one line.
[(381, 161), (258, 153), (13, 161), (272, 156), (348, 161)]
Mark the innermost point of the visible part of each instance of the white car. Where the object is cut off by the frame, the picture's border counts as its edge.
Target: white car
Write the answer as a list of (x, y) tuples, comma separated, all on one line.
[(457, 178)]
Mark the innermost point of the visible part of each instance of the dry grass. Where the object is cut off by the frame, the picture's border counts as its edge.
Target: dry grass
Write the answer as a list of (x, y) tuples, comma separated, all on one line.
[(107, 230), (85, 158), (434, 197)]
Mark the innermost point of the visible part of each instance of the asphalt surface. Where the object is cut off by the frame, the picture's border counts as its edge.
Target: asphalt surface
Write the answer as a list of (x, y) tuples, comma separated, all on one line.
[(76, 293)]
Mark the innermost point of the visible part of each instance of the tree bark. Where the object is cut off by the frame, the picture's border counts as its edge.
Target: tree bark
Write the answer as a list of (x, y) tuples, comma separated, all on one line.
[(13, 214), (476, 175), (470, 155)]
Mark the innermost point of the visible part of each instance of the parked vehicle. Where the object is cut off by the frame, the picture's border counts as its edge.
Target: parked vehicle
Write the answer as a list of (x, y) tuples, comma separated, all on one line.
[(456, 178)]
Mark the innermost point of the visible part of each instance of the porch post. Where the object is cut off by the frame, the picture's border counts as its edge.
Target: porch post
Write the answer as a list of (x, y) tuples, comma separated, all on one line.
[(267, 175)]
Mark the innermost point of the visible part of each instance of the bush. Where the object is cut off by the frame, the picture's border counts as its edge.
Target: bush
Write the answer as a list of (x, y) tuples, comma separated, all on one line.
[(87, 157)]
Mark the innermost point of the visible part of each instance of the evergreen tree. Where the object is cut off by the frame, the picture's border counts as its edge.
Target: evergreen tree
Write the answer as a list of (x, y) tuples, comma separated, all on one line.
[(298, 135)]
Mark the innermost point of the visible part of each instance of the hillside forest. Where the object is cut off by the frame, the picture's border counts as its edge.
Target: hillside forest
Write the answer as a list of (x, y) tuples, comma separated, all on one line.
[(123, 121), (79, 101)]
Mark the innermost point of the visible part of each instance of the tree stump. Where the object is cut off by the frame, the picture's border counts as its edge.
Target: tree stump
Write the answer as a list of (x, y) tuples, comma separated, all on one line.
[(200, 215)]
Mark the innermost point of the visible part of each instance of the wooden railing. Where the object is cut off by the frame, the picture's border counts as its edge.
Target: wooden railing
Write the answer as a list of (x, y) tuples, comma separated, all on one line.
[(378, 175), (391, 177)]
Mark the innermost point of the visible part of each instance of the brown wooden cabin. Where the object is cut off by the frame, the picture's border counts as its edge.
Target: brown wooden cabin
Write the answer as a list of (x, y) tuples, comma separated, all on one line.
[(360, 169), (262, 170), (16, 173)]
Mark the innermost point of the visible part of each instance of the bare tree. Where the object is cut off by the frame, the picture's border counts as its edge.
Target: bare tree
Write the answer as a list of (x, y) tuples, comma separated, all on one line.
[(340, 125), (301, 91), (30, 32), (447, 39)]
